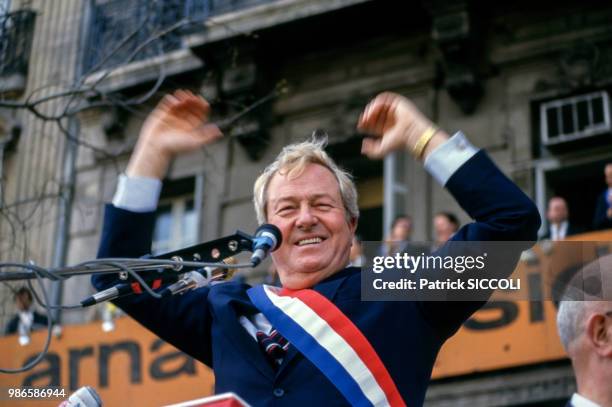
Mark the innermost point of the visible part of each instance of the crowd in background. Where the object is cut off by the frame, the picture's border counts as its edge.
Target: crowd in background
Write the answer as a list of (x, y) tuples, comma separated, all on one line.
[(446, 223)]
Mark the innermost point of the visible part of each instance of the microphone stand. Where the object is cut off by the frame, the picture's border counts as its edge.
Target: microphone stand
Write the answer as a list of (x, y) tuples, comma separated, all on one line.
[(180, 261)]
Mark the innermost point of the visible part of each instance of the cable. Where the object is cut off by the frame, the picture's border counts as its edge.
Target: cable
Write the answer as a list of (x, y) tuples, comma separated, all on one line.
[(198, 264), (136, 277), (40, 356), (118, 264), (34, 268), (42, 304), (85, 268)]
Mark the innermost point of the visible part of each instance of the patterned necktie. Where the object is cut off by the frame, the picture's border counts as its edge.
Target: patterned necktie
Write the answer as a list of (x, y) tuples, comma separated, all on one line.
[(274, 345)]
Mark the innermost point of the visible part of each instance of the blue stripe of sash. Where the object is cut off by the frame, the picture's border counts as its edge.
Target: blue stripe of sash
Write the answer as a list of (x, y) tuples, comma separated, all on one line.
[(309, 347)]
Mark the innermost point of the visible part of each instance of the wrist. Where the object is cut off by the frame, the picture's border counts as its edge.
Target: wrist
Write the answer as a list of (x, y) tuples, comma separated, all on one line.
[(415, 132), (438, 139), (148, 161), (421, 144)]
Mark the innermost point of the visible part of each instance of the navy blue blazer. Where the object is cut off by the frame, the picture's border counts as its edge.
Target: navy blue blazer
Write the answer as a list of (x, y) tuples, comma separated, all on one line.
[(600, 218), (407, 335), (571, 230), (40, 322)]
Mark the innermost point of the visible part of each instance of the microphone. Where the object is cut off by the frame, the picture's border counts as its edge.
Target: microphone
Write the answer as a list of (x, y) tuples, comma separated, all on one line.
[(267, 239), (190, 281), (200, 278), (108, 294), (155, 280), (86, 396)]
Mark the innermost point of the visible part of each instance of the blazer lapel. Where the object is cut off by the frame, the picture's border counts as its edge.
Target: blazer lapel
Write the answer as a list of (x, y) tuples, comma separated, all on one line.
[(229, 313)]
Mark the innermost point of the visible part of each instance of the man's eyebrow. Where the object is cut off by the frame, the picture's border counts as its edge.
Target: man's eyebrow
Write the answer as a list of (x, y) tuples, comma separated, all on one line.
[(322, 195), (282, 199), (292, 198)]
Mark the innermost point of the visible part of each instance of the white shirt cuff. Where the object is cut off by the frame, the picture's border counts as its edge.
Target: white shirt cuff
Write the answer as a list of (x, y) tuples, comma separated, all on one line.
[(446, 159), (137, 194), (581, 401)]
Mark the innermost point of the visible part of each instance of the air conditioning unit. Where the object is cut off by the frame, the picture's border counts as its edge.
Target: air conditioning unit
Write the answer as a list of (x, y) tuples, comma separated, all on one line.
[(574, 118)]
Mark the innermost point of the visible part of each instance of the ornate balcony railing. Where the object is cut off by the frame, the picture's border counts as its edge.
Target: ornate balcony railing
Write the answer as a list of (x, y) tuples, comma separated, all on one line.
[(16, 31), (124, 31)]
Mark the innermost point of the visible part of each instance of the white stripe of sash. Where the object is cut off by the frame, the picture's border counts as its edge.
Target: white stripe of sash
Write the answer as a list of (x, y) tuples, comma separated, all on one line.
[(335, 344)]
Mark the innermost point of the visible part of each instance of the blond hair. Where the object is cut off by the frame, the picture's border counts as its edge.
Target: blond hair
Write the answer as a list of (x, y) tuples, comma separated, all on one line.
[(291, 162)]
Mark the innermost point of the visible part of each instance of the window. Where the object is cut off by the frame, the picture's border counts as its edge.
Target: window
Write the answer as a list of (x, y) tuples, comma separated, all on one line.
[(368, 178), (396, 188), (121, 32), (177, 217), (175, 225), (16, 33), (574, 118), (5, 6)]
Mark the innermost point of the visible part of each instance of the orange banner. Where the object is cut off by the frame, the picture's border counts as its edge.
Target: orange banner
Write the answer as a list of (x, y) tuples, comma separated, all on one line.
[(128, 366), (507, 333)]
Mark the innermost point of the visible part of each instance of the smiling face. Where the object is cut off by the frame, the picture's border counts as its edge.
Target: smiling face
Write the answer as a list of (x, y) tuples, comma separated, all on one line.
[(317, 235)]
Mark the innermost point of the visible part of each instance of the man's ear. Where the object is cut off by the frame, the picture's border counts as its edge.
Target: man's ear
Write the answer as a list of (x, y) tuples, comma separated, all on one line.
[(599, 333), (353, 225)]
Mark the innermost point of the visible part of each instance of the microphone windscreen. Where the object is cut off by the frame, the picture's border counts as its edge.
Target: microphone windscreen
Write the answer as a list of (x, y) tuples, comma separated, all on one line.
[(86, 396), (270, 229)]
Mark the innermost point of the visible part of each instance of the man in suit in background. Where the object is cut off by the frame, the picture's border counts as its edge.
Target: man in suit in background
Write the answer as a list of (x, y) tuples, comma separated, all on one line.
[(584, 323), (557, 215), (26, 319), (314, 204), (399, 235), (603, 209), (445, 225)]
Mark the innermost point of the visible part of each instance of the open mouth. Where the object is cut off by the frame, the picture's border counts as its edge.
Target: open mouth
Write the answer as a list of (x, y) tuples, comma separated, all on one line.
[(309, 241)]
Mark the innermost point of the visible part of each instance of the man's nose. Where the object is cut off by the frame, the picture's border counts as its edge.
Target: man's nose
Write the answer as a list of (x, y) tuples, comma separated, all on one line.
[(306, 218)]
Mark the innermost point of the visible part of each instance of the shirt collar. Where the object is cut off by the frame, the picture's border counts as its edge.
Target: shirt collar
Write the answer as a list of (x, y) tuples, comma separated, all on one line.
[(559, 228), (581, 401), (28, 312)]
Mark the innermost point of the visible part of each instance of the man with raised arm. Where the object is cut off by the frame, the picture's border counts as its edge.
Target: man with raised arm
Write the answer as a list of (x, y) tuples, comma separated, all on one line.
[(314, 340)]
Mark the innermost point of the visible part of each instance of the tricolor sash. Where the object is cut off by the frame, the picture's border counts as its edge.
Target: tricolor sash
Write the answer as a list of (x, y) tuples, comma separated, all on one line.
[(330, 340)]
